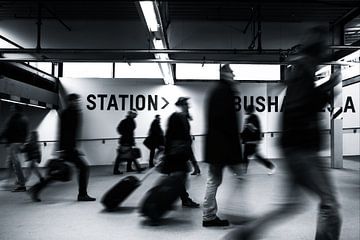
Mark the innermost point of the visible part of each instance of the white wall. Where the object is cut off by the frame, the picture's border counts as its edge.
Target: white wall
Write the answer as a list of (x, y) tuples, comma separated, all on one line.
[(351, 140), (102, 123)]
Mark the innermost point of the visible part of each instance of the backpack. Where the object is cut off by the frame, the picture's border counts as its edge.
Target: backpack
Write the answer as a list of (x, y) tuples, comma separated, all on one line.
[(120, 128)]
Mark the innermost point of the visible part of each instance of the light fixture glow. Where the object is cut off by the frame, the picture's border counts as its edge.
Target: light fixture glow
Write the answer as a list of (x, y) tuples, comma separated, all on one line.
[(148, 10), (158, 44), (167, 73), (21, 103)]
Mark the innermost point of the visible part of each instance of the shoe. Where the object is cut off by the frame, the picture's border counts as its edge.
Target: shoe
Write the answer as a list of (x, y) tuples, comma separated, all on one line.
[(34, 195), (272, 170), (195, 173), (19, 189), (190, 203), (117, 172), (85, 198), (217, 222)]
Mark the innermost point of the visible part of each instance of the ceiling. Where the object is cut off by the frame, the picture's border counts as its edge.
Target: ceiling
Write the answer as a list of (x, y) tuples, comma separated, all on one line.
[(272, 10), (330, 11)]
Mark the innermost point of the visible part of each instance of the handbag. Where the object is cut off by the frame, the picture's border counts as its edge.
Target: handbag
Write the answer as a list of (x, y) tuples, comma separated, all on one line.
[(59, 170), (125, 152), (135, 152)]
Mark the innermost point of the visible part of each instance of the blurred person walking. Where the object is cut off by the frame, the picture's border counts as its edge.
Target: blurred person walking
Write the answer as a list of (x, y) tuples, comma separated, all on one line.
[(301, 141), (15, 134), (33, 155), (126, 129), (178, 147), (70, 126), (222, 143), (155, 139), (251, 136)]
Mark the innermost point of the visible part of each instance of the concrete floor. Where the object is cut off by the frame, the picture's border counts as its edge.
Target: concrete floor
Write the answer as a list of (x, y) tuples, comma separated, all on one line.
[(59, 216)]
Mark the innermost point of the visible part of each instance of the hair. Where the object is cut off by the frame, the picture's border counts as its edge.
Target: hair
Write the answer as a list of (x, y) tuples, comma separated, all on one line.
[(72, 97), (132, 111), (250, 109), (181, 101)]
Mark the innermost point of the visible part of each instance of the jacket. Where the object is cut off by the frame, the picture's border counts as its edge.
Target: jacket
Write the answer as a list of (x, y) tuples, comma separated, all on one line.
[(222, 142), (126, 129), (177, 143), (70, 123)]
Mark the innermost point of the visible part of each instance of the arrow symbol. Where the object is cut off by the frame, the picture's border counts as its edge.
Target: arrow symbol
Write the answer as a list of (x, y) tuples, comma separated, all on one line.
[(166, 103)]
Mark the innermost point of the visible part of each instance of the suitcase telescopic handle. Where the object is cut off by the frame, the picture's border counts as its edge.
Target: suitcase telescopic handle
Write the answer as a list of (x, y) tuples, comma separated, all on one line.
[(150, 172)]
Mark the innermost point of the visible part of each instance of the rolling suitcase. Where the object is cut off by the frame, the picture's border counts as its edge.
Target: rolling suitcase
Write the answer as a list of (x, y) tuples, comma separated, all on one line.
[(161, 198), (121, 190)]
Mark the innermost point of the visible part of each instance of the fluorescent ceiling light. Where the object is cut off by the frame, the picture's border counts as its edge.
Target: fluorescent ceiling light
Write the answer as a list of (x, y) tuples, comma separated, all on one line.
[(158, 44), (162, 56), (167, 73), (260, 72), (21, 103), (148, 10), (195, 71)]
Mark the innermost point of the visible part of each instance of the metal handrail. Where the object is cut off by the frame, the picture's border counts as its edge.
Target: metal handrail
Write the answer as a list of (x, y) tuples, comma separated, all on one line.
[(193, 135)]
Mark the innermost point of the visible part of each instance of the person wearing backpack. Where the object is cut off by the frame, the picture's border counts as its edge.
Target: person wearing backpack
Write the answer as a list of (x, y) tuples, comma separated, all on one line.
[(126, 129), (155, 139), (251, 136)]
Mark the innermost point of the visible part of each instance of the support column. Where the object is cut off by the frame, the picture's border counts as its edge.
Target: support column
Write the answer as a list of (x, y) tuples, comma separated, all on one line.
[(337, 128)]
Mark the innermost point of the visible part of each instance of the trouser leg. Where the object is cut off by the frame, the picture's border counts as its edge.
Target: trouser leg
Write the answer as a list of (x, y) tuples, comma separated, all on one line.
[(83, 172), (213, 182), (263, 161), (151, 158), (117, 162), (194, 162), (14, 151)]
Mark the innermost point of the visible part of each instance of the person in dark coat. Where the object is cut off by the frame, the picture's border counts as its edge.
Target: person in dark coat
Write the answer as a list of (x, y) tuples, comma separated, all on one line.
[(178, 146), (251, 137), (15, 134), (222, 142), (301, 142), (155, 139), (126, 129), (70, 124)]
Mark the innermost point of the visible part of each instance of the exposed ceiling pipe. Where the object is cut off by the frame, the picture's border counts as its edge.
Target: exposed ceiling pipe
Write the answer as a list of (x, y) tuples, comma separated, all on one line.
[(170, 51), (169, 61)]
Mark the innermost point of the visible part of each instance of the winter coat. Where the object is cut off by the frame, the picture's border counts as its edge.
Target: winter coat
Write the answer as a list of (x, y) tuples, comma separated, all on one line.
[(126, 129), (301, 109), (222, 142), (156, 134), (70, 123), (177, 143)]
